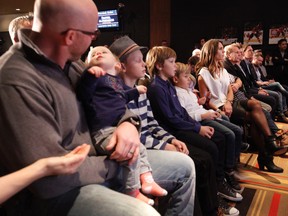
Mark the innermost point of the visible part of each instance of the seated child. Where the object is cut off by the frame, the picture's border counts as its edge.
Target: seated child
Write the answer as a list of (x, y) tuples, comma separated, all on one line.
[(101, 91), (233, 133)]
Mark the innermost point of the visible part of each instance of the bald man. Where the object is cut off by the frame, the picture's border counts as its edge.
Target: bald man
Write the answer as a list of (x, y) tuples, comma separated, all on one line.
[(40, 117)]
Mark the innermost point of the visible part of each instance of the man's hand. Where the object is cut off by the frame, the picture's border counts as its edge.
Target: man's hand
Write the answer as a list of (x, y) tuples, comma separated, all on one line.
[(125, 140)]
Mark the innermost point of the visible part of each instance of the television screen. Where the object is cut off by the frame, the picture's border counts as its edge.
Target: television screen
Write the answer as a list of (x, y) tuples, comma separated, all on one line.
[(108, 20)]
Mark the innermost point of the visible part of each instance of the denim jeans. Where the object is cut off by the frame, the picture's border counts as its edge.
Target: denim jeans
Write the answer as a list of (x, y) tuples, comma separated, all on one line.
[(273, 127), (237, 130), (281, 90), (233, 135), (278, 97), (276, 86), (174, 171)]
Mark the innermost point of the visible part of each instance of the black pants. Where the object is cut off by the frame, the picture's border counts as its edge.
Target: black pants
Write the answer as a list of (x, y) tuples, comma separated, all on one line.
[(214, 146), (205, 153)]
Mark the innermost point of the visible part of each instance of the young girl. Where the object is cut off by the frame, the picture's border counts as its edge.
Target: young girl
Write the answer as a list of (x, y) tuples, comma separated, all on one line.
[(221, 123), (104, 99)]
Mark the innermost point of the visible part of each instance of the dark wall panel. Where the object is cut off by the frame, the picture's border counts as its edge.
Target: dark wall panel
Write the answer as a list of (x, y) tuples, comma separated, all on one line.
[(190, 23)]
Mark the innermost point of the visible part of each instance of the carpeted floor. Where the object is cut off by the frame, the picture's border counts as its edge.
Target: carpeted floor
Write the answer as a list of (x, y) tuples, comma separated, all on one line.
[(251, 175), (265, 193), (260, 202)]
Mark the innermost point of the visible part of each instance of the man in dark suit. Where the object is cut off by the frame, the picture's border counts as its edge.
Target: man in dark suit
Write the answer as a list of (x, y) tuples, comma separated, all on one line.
[(252, 88), (280, 62), (249, 87)]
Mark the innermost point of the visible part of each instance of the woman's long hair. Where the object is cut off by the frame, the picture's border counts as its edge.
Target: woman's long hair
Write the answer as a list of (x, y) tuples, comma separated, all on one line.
[(207, 57)]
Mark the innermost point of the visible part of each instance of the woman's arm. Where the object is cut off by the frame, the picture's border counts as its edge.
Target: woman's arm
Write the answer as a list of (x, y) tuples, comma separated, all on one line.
[(203, 90), (230, 95), (12, 183), (227, 107)]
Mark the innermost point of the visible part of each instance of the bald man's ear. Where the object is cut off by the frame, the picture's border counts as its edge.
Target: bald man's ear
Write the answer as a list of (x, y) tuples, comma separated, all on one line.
[(70, 36)]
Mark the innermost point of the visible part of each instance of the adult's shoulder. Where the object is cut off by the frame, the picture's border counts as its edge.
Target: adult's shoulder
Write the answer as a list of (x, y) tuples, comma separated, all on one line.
[(203, 70), (16, 69), (227, 63)]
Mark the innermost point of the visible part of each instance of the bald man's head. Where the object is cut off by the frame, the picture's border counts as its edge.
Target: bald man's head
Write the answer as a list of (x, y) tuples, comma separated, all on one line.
[(60, 15)]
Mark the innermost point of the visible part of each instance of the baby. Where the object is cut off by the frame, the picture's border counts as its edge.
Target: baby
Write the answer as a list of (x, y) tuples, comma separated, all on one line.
[(102, 93)]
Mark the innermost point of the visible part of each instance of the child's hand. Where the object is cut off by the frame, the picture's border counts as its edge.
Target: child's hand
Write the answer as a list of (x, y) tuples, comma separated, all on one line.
[(141, 89), (209, 115), (201, 100), (97, 71), (218, 114)]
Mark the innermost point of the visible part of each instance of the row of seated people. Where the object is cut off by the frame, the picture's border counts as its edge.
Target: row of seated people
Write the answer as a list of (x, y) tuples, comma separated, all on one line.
[(274, 66), (244, 64), (198, 143), (263, 81), (197, 139), (213, 85), (211, 121), (41, 118), (254, 78), (174, 119), (234, 64), (156, 139), (200, 137)]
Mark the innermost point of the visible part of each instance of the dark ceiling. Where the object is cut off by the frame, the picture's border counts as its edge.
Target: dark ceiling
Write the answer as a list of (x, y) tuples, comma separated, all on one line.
[(9, 6)]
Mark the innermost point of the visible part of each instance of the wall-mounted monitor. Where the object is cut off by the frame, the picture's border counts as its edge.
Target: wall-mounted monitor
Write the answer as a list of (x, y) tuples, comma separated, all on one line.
[(108, 20)]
